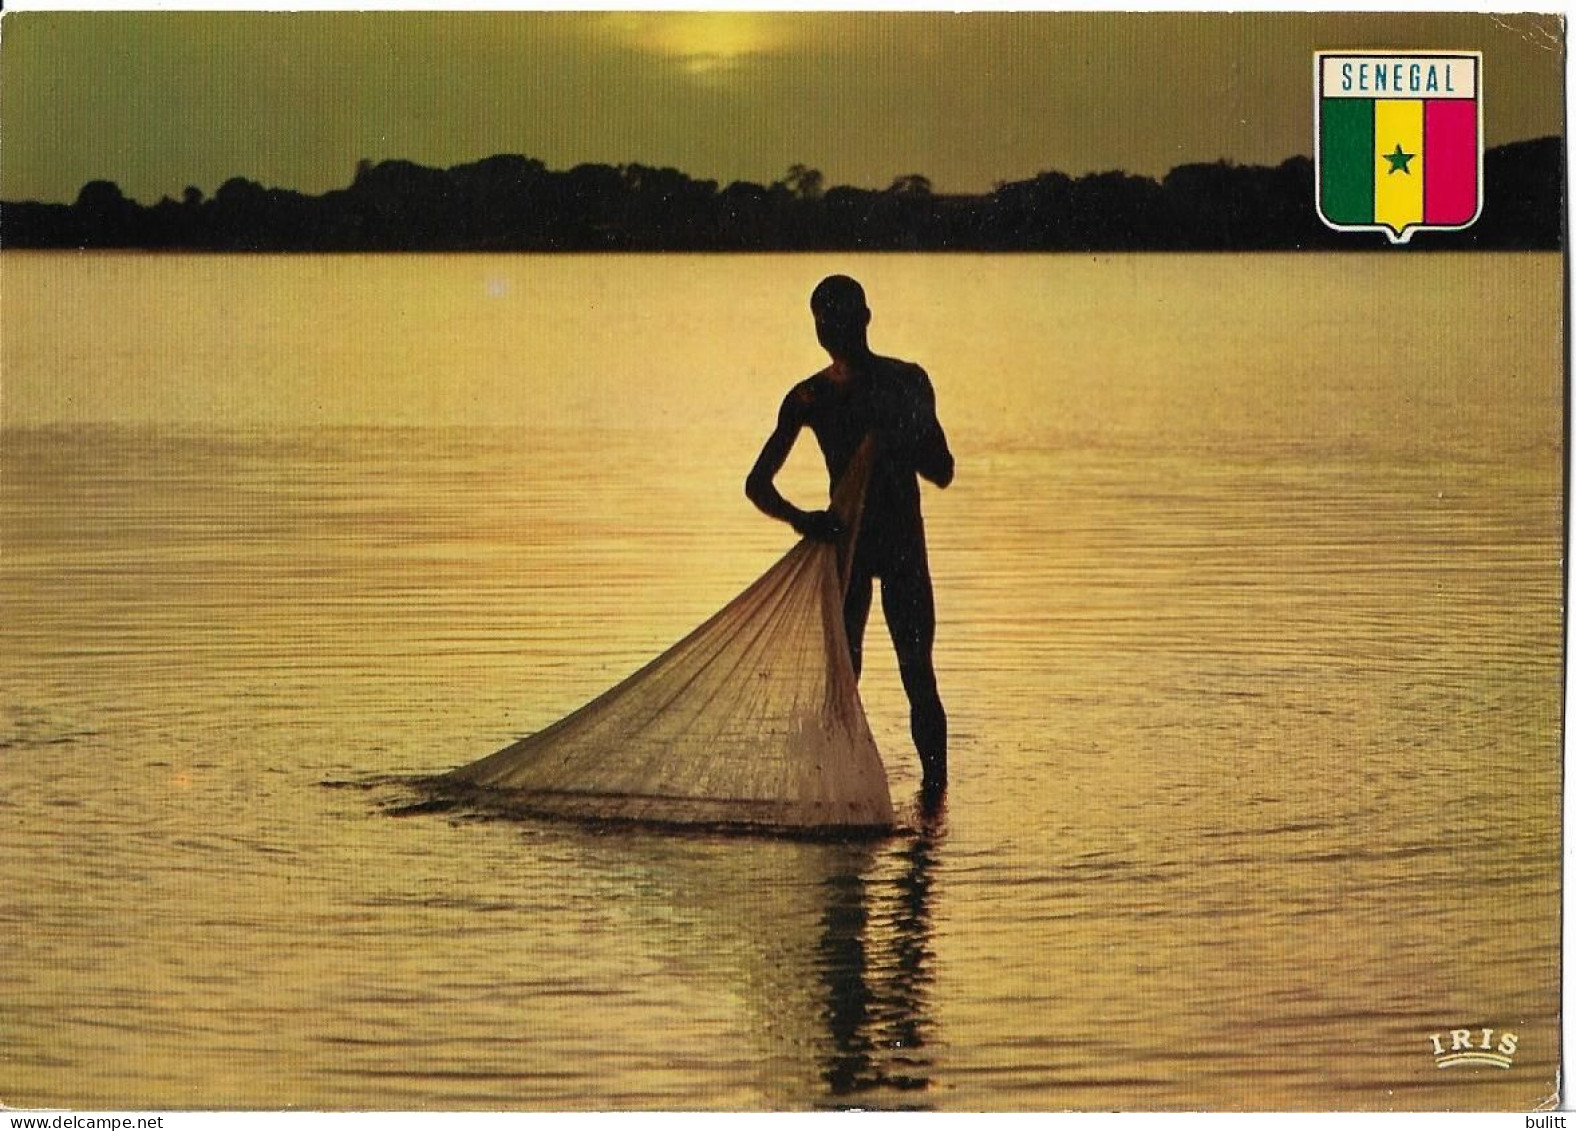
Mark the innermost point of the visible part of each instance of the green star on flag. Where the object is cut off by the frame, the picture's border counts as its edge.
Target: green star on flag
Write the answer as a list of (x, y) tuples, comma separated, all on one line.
[(1399, 161)]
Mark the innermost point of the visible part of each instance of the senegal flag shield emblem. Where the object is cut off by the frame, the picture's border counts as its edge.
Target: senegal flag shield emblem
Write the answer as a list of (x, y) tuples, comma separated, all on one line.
[(1398, 140)]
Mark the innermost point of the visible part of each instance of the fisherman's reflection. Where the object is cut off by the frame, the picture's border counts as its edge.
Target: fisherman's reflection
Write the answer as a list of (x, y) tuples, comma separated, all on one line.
[(828, 946), (875, 958)]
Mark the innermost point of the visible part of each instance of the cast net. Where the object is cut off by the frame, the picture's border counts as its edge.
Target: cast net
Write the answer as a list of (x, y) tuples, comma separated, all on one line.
[(753, 719)]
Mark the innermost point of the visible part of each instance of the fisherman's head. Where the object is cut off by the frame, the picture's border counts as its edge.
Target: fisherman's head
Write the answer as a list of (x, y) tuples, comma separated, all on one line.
[(841, 316)]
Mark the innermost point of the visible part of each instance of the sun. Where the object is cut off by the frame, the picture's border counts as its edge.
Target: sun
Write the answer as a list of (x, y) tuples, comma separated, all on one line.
[(706, 45)]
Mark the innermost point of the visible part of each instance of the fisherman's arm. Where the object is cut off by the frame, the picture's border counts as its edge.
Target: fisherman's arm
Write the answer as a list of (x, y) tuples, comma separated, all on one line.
[(921, 441), (759, 485)]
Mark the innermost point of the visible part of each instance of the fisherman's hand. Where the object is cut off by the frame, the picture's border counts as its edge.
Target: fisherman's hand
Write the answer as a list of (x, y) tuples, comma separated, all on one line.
[(819, 526)]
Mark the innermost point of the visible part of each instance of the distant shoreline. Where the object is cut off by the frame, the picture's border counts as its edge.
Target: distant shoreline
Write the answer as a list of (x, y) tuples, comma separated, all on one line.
[(515, 204)]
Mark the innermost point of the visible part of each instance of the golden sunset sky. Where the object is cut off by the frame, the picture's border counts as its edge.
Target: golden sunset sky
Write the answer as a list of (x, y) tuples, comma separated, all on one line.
[(157, 101)]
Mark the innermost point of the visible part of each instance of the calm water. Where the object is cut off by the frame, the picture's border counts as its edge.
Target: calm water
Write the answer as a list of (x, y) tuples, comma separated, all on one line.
[(1249, 595)]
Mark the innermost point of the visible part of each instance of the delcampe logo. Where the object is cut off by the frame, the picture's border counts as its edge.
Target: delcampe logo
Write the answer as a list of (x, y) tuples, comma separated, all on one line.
[(1398, 140), (1473, 1046)]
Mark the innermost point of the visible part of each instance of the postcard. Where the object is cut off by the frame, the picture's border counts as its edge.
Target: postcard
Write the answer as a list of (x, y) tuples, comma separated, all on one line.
[(781, 561)]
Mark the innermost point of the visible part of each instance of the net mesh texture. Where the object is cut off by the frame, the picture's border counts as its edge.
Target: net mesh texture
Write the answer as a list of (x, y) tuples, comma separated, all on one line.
[(753, 719)]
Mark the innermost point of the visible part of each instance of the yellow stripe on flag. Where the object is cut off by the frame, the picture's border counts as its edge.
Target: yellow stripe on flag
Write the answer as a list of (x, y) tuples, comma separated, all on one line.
[(1398, 173)]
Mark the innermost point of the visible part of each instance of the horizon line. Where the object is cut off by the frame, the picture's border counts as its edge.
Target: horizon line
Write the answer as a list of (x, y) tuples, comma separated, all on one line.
[(722, 186)]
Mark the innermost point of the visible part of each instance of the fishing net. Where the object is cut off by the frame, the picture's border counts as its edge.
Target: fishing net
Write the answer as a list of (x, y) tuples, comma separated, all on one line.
[(753, 719)]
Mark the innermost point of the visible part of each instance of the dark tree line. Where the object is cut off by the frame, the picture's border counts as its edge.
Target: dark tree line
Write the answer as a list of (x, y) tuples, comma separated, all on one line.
[(512, 203)]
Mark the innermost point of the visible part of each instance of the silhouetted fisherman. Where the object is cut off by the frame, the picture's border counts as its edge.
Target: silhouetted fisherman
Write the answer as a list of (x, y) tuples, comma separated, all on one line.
[(863, 394)]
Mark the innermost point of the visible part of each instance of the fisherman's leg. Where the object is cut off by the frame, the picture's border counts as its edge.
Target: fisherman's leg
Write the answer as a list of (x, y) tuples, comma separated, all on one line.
[(856, 611), (910, 608)]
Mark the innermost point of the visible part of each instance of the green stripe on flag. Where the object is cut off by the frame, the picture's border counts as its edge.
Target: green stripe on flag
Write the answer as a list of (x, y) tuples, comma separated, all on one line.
[(1346, 160)]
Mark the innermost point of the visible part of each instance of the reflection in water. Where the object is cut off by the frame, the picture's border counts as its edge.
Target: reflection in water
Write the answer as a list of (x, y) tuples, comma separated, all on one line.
[(876, 970), (819, 955)]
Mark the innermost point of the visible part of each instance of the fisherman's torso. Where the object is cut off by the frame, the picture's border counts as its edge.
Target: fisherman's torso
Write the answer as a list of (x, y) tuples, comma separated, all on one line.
[(880, 396)]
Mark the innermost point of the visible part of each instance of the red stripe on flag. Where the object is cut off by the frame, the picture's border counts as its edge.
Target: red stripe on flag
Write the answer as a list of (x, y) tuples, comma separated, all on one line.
[(1450, 180)]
